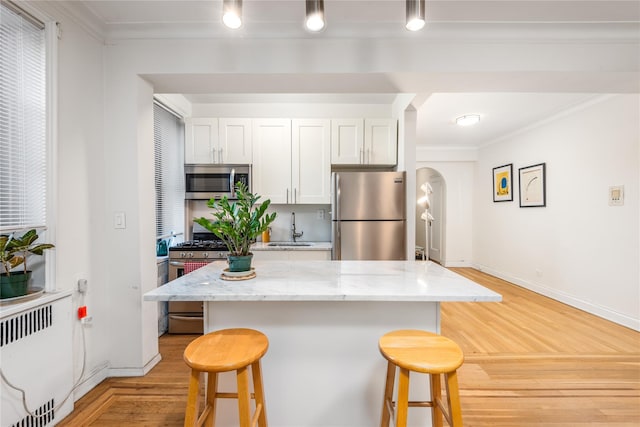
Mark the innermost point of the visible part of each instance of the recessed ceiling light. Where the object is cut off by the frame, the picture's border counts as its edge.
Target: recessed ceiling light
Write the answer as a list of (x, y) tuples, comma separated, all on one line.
[(468, 120)]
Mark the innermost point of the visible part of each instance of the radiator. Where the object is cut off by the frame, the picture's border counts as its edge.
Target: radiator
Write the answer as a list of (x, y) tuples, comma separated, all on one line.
[(36, 349)]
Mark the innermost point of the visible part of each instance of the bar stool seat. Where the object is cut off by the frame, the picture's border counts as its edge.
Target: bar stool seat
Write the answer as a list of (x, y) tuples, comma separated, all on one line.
[(427, 353), (223, 351)]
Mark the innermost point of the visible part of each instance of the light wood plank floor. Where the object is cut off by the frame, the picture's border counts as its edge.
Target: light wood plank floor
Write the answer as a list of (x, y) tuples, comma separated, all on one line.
[(529, 361)]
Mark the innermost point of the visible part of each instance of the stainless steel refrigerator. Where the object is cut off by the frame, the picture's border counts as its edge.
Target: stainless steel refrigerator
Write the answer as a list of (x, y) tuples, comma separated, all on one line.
[(368, 215)]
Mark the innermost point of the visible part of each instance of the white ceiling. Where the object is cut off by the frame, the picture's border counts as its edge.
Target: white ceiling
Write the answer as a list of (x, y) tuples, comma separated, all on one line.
[(502, 113)]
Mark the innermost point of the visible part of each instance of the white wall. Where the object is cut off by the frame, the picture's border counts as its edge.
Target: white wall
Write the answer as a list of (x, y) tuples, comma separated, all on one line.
[(578, 249), (80, 211)]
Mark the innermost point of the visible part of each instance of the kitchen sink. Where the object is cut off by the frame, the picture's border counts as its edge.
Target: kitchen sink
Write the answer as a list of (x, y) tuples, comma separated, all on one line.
[(285, 244)]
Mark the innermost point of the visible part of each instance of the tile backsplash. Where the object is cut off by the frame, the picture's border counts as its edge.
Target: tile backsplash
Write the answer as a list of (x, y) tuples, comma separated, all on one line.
[(307, 221)]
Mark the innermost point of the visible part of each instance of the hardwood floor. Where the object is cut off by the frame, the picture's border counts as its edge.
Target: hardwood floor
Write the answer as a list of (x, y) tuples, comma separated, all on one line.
[(529, 361)]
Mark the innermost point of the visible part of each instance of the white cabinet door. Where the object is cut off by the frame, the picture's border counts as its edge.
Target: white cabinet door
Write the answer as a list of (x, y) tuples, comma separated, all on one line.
[(235, 141), (272, 159), (201, 140), (347, 141), (380, 141), (310, 162)]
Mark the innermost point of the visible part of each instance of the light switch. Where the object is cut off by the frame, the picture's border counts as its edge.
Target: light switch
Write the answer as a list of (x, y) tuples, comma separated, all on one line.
[(119, 220), (616, 195)]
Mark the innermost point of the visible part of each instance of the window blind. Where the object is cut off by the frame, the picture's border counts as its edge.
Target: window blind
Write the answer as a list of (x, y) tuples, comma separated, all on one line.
[(23, 149), (168, 135)]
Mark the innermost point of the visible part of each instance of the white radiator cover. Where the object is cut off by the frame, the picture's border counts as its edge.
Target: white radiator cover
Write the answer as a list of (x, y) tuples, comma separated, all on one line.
[(36, 349)]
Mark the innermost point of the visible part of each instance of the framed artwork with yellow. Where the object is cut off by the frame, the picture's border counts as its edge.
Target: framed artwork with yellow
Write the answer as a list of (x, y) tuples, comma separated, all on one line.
[(503, 183)]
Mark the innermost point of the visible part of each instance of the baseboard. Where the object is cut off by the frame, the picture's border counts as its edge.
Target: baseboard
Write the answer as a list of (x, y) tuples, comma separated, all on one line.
[(98, 375), (458, 264), (600, 311), (135, 372)]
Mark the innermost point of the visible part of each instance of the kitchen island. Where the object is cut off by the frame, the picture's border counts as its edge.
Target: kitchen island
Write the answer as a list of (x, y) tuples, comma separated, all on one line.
[(323, 320)]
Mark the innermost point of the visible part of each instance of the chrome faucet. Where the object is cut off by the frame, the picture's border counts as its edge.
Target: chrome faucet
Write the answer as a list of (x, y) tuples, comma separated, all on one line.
[(294, 235)]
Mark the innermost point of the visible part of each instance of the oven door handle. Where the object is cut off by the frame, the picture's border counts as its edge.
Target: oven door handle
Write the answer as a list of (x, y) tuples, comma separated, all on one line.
[(187, 318), (176, 263)]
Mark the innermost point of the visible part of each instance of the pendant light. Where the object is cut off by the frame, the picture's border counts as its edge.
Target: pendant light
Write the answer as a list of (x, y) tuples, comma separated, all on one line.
[(415, 15), (314, 20), (232, 13)]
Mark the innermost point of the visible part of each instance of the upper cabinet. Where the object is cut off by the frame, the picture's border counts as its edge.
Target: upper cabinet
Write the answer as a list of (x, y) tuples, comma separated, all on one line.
[(210, 140), (292, 160), (272, 159), (364, 142), (311, 161)]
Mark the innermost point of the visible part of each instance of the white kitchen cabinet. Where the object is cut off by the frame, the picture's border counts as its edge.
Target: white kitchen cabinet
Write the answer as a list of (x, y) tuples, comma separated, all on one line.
[(364, 141), (201, 140), (311, 161), (380, 141), (292, 160), (211, 140), (235, 141), (272, 159), (347, 139)]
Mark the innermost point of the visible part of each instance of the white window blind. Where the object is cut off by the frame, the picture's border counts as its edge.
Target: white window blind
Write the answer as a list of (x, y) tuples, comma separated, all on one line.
[(23, 146), (168, 134)]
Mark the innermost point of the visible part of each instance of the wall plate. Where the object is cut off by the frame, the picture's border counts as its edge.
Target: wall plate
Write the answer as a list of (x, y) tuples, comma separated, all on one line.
[(616, 195)]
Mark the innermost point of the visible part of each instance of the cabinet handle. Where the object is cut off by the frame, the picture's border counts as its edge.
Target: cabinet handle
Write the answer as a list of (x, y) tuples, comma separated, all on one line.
[(361, 155), (220, 156), (368, 156), (287, 196), (295, 196), (213, 155)]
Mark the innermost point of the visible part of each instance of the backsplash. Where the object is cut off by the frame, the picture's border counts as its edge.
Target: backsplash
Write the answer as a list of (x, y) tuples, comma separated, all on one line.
[(315, 230)]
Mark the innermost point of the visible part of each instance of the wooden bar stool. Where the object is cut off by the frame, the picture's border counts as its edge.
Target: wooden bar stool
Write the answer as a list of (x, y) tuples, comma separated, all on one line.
[(428, 353), (223, 351)]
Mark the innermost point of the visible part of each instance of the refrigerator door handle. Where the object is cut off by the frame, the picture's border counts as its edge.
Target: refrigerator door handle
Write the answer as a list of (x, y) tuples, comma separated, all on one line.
[(338, 218)]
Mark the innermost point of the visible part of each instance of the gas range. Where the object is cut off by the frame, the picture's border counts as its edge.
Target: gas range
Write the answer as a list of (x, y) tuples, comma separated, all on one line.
[(200, 250)]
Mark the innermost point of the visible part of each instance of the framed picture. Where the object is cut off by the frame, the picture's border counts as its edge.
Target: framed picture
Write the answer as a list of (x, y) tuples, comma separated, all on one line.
[(532, 186), (503, 183)]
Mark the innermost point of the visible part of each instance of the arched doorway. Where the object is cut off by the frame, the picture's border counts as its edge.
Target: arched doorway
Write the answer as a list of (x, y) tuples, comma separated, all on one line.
[(430, 232)]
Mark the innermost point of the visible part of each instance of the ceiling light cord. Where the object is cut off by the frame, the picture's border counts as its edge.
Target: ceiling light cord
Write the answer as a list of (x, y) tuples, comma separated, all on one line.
[(415, 15)]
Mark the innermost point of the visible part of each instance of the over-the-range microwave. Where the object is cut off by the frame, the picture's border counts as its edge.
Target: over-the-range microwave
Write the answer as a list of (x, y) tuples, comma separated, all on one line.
[(204, 182)]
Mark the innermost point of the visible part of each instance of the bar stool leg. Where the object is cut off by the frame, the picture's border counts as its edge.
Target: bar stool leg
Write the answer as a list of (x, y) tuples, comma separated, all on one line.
[(453, 397), (402, 407), (242, 377), (212, 390), (436, 399), (256, 372), (388, 394), (193, 400)]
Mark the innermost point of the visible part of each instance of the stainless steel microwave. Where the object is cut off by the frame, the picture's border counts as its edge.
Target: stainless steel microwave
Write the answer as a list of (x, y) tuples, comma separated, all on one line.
[(204, 182)]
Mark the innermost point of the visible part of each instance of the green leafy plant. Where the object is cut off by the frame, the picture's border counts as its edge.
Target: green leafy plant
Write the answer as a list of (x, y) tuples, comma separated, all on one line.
[(238, 223), (14, 250)]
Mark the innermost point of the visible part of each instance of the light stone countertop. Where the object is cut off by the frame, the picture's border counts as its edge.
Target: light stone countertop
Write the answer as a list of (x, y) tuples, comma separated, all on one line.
[(326, 281), (314, 246)]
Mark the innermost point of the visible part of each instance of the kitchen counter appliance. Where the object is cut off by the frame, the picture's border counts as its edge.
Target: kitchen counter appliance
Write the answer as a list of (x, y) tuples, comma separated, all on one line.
[(186, 317), (204, 182), (368, 219)]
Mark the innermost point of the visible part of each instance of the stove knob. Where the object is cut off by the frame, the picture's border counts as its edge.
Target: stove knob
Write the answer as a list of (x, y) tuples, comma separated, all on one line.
[(190, 254), (221, 255), (183, 254), (205, 255)]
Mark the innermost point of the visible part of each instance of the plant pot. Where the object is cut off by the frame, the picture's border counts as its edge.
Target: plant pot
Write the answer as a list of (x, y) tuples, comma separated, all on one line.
[(240, 262), (15, 285)]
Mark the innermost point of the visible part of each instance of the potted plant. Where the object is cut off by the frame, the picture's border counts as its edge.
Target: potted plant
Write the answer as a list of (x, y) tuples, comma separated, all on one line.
[(237, 224), (13, 252)]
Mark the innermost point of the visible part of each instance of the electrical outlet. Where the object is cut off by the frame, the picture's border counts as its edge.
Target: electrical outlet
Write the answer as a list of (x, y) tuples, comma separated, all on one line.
[(119, 220), (320, 214)]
